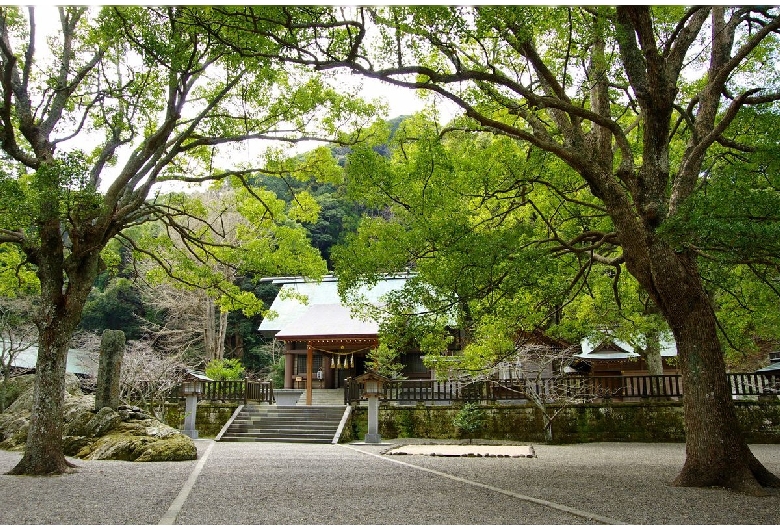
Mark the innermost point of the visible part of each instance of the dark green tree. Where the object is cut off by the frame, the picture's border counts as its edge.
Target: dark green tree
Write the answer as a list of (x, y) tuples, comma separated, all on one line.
[(116, 307)]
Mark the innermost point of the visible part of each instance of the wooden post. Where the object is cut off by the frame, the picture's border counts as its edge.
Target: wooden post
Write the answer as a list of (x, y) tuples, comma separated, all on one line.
[(309, 369), (289, 368), (330, 373)]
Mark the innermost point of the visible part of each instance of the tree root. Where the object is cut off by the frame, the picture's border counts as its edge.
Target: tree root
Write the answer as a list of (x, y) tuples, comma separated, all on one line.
[(26, 466), (752, 478)]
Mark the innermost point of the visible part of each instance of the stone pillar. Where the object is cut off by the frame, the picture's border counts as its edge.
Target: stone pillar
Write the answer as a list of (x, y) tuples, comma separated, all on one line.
[(190, 415), (112, 348), (373, 436)]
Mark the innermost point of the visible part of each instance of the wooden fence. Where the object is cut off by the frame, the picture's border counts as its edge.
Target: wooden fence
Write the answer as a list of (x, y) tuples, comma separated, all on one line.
[(236, 391), (571, 388)]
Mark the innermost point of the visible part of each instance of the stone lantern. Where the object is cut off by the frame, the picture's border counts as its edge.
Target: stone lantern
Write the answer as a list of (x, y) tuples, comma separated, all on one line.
[(373, 387), (191, 389)]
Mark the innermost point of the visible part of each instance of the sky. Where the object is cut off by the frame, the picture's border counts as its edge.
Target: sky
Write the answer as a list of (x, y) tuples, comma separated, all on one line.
[(400, 101)]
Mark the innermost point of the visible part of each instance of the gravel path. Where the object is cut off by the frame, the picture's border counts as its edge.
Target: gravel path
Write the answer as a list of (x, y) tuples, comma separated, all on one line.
[(270, 483)]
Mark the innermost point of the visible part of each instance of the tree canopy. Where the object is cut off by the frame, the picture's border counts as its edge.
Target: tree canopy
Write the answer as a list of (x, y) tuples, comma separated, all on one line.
[(640, 103), (119, 102)]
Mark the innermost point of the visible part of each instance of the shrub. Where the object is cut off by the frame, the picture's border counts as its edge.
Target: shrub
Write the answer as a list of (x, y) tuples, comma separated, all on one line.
[(277, 372), (225, 369), (469, 419)]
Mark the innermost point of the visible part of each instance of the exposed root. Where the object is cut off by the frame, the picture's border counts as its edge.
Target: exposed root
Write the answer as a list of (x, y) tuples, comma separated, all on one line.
[(744, 480), (27, 466)]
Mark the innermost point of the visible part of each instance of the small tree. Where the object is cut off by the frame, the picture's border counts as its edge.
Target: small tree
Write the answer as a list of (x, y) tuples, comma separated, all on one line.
[(469, 419), (149, 377), (384, 361), (540, 370)]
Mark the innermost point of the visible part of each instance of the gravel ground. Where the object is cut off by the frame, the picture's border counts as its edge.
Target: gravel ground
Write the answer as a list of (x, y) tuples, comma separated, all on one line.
[(270, 483), (98, 492)]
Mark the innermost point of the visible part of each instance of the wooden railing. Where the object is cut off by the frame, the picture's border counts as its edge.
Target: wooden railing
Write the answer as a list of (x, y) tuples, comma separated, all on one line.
[(557, 389), (550, 390), (259, 391), (238, 391)]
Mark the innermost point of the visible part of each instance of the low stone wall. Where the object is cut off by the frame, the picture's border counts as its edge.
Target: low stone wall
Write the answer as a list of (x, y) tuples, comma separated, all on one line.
[(210, 418), (613, 422)]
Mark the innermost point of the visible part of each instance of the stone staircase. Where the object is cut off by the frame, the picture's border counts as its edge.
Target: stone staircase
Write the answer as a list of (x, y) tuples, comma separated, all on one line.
[(318, 423), (321, 396)]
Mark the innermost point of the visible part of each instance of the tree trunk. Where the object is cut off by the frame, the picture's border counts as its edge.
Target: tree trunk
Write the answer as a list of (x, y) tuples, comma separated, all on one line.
[(43, 452), (64, 289), (548, 432), (652, 353), (222, 335), (716, 451), (215, 330), (4, 384)]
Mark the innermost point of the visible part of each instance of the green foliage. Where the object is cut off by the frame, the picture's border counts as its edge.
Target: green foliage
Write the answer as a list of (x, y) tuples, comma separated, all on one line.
[(732, 221), (469, 419), (241, 233), (383, 361), (277, 372), (118, 307), (469, 214), (16, 276), (225, 369)]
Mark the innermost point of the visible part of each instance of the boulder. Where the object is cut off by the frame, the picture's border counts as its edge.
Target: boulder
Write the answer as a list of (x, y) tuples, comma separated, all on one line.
[(13, 432), (140, 448), (173, 448), (17, 386), (105, 421), (124, 434), (24, 402)]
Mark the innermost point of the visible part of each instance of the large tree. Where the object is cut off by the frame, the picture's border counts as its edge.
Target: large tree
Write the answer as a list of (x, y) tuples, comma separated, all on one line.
[(634, 100), (117, 102), (611, 92)]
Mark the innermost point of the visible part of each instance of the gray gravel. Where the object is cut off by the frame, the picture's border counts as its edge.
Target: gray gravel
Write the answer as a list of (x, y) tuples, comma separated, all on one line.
[(271, 483)]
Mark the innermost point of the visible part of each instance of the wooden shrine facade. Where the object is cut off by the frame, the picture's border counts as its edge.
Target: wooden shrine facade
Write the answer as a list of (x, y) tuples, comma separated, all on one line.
[(326, 342), (324, 362)]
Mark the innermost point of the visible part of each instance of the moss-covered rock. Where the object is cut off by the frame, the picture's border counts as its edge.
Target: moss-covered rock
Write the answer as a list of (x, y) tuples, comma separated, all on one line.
[(119, 446), (105, 421), (17, 385), (77, 423), (13, 432), (174, 448), (24, 402), (108, 434), (114, 447), (73, 445)]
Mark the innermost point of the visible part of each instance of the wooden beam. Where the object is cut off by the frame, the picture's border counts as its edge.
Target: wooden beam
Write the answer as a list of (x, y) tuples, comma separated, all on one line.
[(309, 369)]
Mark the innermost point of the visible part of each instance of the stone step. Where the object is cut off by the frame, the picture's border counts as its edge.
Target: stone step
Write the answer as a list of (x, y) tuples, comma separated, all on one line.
[(284, 439), (286, 419), (299, 423), (320, 396), (257, 424), (284, 425), (278, 431)]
